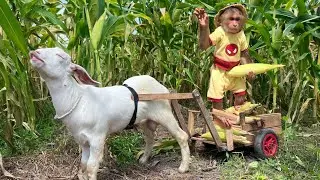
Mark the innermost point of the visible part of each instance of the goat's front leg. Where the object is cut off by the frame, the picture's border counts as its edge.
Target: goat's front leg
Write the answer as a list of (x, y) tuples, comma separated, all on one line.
[(85, 153), (96, 155)]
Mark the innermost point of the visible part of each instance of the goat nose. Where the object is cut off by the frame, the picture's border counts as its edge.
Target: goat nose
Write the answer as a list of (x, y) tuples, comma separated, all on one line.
[(30, 54)]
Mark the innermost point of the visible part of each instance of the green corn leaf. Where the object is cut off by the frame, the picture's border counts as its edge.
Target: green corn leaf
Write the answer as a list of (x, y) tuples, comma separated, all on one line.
[(96, 9), (190, 76), (207, 6), (128, 30), (51, 18), (168, 70), (302, 9), (282, 13), (100, 7), (288, 28), (13, 55), (176, 15), (261, 29), (189, 60), (140, 15), (166, 19), (289, 4), (185, 5), (97, 30), (304, 19), (113, 26), (298, 41), (270, 19), (12, 27)]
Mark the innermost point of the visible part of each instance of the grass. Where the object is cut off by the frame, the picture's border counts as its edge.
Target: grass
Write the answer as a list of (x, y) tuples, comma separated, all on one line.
[(299, 158), (125, 146), (26, 141)]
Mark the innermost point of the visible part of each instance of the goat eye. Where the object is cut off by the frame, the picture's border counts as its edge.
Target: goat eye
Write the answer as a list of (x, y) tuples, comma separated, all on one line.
[(61, 56)]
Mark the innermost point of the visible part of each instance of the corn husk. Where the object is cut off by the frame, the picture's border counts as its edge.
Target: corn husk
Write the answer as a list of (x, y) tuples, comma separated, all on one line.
[(251, 119), (248, 119), (256, 68)]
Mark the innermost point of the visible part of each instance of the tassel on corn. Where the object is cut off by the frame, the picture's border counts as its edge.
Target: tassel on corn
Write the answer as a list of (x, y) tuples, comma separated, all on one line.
[(256, 68)]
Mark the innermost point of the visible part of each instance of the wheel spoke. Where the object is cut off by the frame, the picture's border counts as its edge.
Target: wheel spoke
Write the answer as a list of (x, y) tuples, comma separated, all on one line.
[(270, 145)]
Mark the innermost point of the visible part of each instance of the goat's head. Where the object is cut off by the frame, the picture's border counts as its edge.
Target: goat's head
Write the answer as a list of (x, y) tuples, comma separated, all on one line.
[(54, 63)]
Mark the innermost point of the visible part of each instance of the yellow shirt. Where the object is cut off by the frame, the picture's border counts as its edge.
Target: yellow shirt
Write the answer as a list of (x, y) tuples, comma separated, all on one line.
[(228, 45)]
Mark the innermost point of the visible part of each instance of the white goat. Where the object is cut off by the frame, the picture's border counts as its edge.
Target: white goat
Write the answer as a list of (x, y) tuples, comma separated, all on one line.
[(92, 113)]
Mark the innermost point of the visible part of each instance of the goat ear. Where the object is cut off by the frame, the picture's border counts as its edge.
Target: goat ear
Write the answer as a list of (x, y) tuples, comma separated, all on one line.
[(82, 76)]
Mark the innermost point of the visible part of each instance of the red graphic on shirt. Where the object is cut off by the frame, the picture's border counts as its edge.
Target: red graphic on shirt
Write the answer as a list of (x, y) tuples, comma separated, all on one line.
[(231, 49)]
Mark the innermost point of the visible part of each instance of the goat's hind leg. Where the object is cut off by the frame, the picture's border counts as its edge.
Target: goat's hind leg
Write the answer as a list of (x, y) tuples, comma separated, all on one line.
[(148, 128), (169, 122)]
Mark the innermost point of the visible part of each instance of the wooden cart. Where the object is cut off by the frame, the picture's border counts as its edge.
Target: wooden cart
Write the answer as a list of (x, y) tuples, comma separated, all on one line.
[(263, 133)]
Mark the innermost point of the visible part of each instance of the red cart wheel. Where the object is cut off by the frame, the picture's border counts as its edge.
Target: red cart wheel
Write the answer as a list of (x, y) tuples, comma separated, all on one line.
[(266, 143)]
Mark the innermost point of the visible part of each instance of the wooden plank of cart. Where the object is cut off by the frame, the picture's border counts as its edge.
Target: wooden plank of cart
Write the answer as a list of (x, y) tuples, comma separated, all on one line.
[(263, 133)]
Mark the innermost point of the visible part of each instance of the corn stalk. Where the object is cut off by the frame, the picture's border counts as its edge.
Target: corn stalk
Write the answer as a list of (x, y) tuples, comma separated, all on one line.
[(316, 88)]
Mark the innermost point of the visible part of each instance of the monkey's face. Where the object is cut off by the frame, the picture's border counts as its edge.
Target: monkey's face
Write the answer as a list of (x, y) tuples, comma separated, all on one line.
[(232, 21)]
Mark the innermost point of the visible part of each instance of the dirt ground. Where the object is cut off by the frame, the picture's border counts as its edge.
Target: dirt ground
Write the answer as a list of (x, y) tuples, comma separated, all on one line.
[(58, 166), (50, 165)]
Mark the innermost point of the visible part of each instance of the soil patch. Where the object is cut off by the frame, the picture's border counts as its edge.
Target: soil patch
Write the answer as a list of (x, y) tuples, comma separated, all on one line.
[(50, 165), (57, 165)]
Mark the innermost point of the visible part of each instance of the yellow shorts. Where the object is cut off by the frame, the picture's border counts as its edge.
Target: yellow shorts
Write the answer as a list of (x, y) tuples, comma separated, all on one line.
[(220, 82)]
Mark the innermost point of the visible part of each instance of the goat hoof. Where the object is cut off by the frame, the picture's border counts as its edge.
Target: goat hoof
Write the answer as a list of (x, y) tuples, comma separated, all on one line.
[(183, 169), (143, 160), (81, 176)]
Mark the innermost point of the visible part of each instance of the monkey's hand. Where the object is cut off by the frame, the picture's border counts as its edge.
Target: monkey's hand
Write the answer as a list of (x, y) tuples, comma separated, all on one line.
[(202, 16), (224, 122), (251, 76)]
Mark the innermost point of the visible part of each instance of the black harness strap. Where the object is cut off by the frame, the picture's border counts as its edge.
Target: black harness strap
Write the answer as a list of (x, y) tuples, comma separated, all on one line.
[(135, 99)]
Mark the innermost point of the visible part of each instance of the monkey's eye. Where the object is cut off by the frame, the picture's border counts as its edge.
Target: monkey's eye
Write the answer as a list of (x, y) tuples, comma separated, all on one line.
[(235, 19)]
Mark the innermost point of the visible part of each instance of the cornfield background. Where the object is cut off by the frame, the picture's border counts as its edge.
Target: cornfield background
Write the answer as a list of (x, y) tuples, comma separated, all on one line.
[(116, 39)]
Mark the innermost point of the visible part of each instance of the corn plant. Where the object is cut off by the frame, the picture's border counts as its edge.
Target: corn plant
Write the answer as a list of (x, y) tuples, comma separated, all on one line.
[(19, 90), (282, 33), (15, 89)]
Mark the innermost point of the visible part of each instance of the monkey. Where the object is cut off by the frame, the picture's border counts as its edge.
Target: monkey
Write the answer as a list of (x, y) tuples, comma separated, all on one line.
[(231, 49)]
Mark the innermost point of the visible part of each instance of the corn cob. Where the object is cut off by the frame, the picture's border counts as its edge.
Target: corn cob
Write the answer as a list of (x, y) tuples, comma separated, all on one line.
[(235, 131), (256, 68), (222, 135), (246, 106), (232, 110), (250, 119)]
